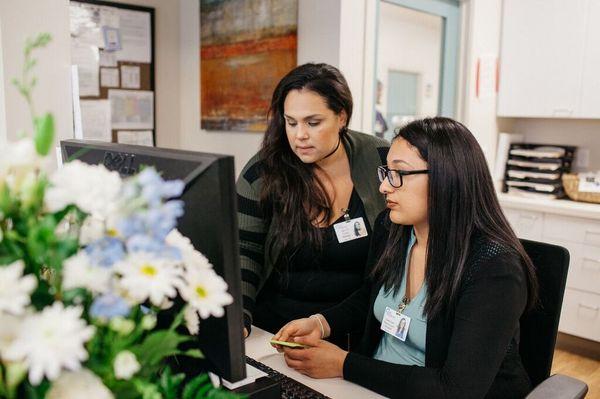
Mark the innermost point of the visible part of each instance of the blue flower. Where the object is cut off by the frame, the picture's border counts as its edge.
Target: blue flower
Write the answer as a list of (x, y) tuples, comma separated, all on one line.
[(105, 251), (160, 221), (155, 189), (146, 243), (108, 306)]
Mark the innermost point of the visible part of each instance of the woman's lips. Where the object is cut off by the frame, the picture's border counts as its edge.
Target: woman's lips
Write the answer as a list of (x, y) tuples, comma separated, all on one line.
[(304, 149), (390, 204)]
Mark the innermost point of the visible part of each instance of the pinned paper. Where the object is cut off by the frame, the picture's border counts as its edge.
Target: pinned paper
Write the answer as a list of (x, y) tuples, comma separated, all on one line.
[(132, 109), (130, 77), (109, 77)]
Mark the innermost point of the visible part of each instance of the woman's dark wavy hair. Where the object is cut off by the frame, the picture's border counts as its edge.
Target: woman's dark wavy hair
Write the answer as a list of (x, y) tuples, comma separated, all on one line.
[(461, 202), (291, 196)]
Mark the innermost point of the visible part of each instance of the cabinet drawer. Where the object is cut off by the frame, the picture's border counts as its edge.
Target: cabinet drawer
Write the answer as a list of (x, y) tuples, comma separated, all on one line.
[(584, 266), (526, 224), (565, 228), (581, 314)]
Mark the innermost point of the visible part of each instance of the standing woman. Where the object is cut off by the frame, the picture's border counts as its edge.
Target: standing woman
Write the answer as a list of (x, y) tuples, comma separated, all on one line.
[(448, 266), (299, 198)]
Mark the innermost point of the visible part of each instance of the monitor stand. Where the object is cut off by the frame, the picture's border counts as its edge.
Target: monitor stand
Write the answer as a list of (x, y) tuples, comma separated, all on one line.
[(257, 385)]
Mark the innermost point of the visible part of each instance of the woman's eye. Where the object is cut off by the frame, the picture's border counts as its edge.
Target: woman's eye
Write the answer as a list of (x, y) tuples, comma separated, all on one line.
[(313, 124), (292, 124)]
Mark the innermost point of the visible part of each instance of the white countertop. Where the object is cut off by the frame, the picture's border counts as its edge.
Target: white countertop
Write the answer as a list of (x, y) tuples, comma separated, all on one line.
[(561, 207), (258, 348)]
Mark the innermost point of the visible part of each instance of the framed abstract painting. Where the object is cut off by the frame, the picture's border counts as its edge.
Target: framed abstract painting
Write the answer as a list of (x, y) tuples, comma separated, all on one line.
[(247, 46)]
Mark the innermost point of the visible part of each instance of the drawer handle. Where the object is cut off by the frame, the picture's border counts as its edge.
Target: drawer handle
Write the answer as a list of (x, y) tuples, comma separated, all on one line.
[(594, 308), (597, 261)]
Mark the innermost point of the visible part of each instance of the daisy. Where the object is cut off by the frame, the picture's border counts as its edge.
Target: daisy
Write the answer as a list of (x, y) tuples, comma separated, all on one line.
[(192, 321), (50, 341), (191, 258), (93, 188), (205, 291), (79, 384), (79, 272), (144, 276), (15, 289)]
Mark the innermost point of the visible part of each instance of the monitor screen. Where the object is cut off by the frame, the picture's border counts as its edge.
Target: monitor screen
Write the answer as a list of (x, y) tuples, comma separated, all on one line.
[(209, 221)]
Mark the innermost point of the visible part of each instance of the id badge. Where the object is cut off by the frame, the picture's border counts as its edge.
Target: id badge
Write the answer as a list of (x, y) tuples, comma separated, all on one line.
[(349, 230), (395, 324)]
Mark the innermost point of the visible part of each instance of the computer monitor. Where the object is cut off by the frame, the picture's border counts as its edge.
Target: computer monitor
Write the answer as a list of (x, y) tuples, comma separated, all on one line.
[(209, 221)]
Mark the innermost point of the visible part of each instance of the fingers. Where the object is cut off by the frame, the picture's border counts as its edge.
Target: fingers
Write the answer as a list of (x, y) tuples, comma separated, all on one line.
[(245, 332), (309, 340), (294, 363), (285, 332)]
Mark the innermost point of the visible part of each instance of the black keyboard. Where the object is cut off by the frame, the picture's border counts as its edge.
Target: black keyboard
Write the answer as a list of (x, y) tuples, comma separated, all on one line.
[(290, 388)]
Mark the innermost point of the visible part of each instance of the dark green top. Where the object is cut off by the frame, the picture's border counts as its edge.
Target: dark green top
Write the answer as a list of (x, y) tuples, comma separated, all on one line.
[(365, 153)]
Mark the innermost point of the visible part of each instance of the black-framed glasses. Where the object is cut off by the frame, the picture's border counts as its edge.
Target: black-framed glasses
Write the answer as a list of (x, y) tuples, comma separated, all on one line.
[(394, 176)]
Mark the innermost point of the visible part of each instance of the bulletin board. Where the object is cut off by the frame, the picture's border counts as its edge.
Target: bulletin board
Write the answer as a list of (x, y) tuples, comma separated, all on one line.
[(112, 52)]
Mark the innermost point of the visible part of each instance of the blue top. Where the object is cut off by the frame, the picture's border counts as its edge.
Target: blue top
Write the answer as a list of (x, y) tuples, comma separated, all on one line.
[(412, 350)]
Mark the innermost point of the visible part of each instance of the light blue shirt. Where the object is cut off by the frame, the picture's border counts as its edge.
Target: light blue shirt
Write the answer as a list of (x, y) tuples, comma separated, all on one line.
[(412, 350)]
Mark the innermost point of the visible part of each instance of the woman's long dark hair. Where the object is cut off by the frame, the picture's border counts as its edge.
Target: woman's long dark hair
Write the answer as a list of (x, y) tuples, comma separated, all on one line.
[(291, 196), (462, 203)]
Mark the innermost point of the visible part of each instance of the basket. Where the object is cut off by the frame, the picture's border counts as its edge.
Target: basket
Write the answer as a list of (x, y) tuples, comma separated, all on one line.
[(571, 186)]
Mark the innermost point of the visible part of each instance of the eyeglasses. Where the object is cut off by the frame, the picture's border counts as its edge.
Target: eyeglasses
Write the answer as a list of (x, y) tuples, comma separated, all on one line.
[(394, 176)]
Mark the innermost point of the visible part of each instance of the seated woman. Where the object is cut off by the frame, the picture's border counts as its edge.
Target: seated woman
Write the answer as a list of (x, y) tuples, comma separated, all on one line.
[(447, 269), (302, 199)]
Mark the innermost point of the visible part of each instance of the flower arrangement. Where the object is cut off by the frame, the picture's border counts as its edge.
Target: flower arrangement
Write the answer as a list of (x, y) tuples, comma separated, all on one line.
[(88, 261)]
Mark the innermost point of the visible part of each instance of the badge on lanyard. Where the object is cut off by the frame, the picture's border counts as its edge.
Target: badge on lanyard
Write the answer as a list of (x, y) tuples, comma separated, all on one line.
[(395, 323), (350, 229)]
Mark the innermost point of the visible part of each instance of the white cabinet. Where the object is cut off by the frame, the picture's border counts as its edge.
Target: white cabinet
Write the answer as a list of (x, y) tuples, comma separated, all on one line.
[(581, 236), (590, 88), (550, 55)]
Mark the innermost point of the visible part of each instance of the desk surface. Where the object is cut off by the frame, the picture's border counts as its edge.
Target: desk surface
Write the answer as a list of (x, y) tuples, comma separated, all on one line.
[(258, 348)]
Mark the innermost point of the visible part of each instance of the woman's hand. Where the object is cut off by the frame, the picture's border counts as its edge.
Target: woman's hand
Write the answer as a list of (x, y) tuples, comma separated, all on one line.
[(307, 328), (322, 360)]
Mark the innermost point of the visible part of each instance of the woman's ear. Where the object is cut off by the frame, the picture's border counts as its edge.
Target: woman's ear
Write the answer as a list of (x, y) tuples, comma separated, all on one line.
[(343, 119)]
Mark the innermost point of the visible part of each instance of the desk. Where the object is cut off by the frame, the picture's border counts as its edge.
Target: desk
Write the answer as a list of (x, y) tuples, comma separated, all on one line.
[(258, 347)]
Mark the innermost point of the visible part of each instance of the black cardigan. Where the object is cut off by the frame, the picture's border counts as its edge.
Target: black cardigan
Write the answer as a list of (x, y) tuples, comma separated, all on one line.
[(471, 351)]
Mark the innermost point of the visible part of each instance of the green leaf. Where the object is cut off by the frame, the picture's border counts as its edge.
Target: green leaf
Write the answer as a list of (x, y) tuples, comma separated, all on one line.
[(194, 353), (189, 392), (148, 390), (44, 133), (170, 383), (157, 346)]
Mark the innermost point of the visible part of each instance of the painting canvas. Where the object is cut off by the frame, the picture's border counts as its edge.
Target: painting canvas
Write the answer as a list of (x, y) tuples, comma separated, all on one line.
[(247, 46)]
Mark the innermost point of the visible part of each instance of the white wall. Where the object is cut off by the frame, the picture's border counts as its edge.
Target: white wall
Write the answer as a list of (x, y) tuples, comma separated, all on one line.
[(3, 137), (410, 41), (483, 39), (20, 19)]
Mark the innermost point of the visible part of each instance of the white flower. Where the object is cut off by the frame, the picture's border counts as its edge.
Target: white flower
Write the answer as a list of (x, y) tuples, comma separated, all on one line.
[(80, 273), (15, 289), (18, 160), (191, 258), (77, 385), (50, 341), (205, 291), (10, 328), (148, 322), (126, 365), (93, 188), (145, 276), (92, 229), (192, 321)]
